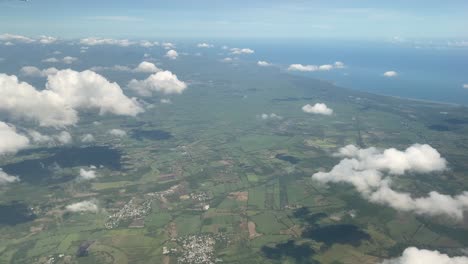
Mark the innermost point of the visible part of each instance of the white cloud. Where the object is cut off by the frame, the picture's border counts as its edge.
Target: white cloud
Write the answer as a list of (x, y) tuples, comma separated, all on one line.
[(85, 206), (264, 63), (239, 51), (164, 81), (89, 90), (312, 68), (371, 171), (69, 60), (112, 68), (10, 140), (270, 116), (147, 67), (166, 101), (22, 100), (390, 74), (47, 40), (168, 45), (339, 65), (465, 85), (62, 138), (88, 138), (51, 60), (302, 68), (148, 44), (227, 59), (66, 92), (5, 178), (15, 38), (205, 45), (325, 67), (87, 174), (117, 132), (65, 60), (172, 54), (414, 255), (318, 108), (36, 72), (106, 41)]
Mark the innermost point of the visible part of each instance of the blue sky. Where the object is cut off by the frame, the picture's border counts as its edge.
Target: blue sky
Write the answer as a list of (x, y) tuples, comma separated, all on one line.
[(212, 19)]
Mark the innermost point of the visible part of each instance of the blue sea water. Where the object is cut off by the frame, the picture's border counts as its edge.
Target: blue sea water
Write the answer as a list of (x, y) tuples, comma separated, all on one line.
[(428, 73)]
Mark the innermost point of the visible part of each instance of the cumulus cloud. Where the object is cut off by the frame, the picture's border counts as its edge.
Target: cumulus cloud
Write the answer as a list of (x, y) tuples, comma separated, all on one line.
[(87, 174), (117, 132), (227, 59), (89, 90), (371, 172), (61, 138), (36, 72), (85, 206), (390, 74), (414, 255), (15, 38), (148, 44), (147, 67), (164, 81), (87, 138), (65, 60), (5, 178), (66, 92), (318, 108), (144, 67), (312, 68), (270, 116), (106, 41), (165, 101), (168, 45), (10, 140), (172, 54), (239, 51), (47, 40), (264, 63), (204, 45)]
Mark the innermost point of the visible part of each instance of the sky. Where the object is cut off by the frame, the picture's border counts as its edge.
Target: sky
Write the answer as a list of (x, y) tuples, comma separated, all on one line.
[(212, 19)]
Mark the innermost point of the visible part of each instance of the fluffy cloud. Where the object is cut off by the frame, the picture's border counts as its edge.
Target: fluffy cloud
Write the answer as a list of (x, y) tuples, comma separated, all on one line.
[(15, 38), (165, 101), (318, 108), (148, 44), (88, 138), (204, 45), (270, 116), (117, 132), (312, 68), (227, 59), (239, 51), (66, 92), (172, 54), (465, 85), (10, 140), (89, 90), (390, 74), (144, 66), (147, 67), (47, 40), (62, 138), (85, 206), (87, 174), (168, 45), (36, 72), (65, 60), (414, 255), (106, 41), (371, 170), (264, 63), (164, 81), (5, 178)]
